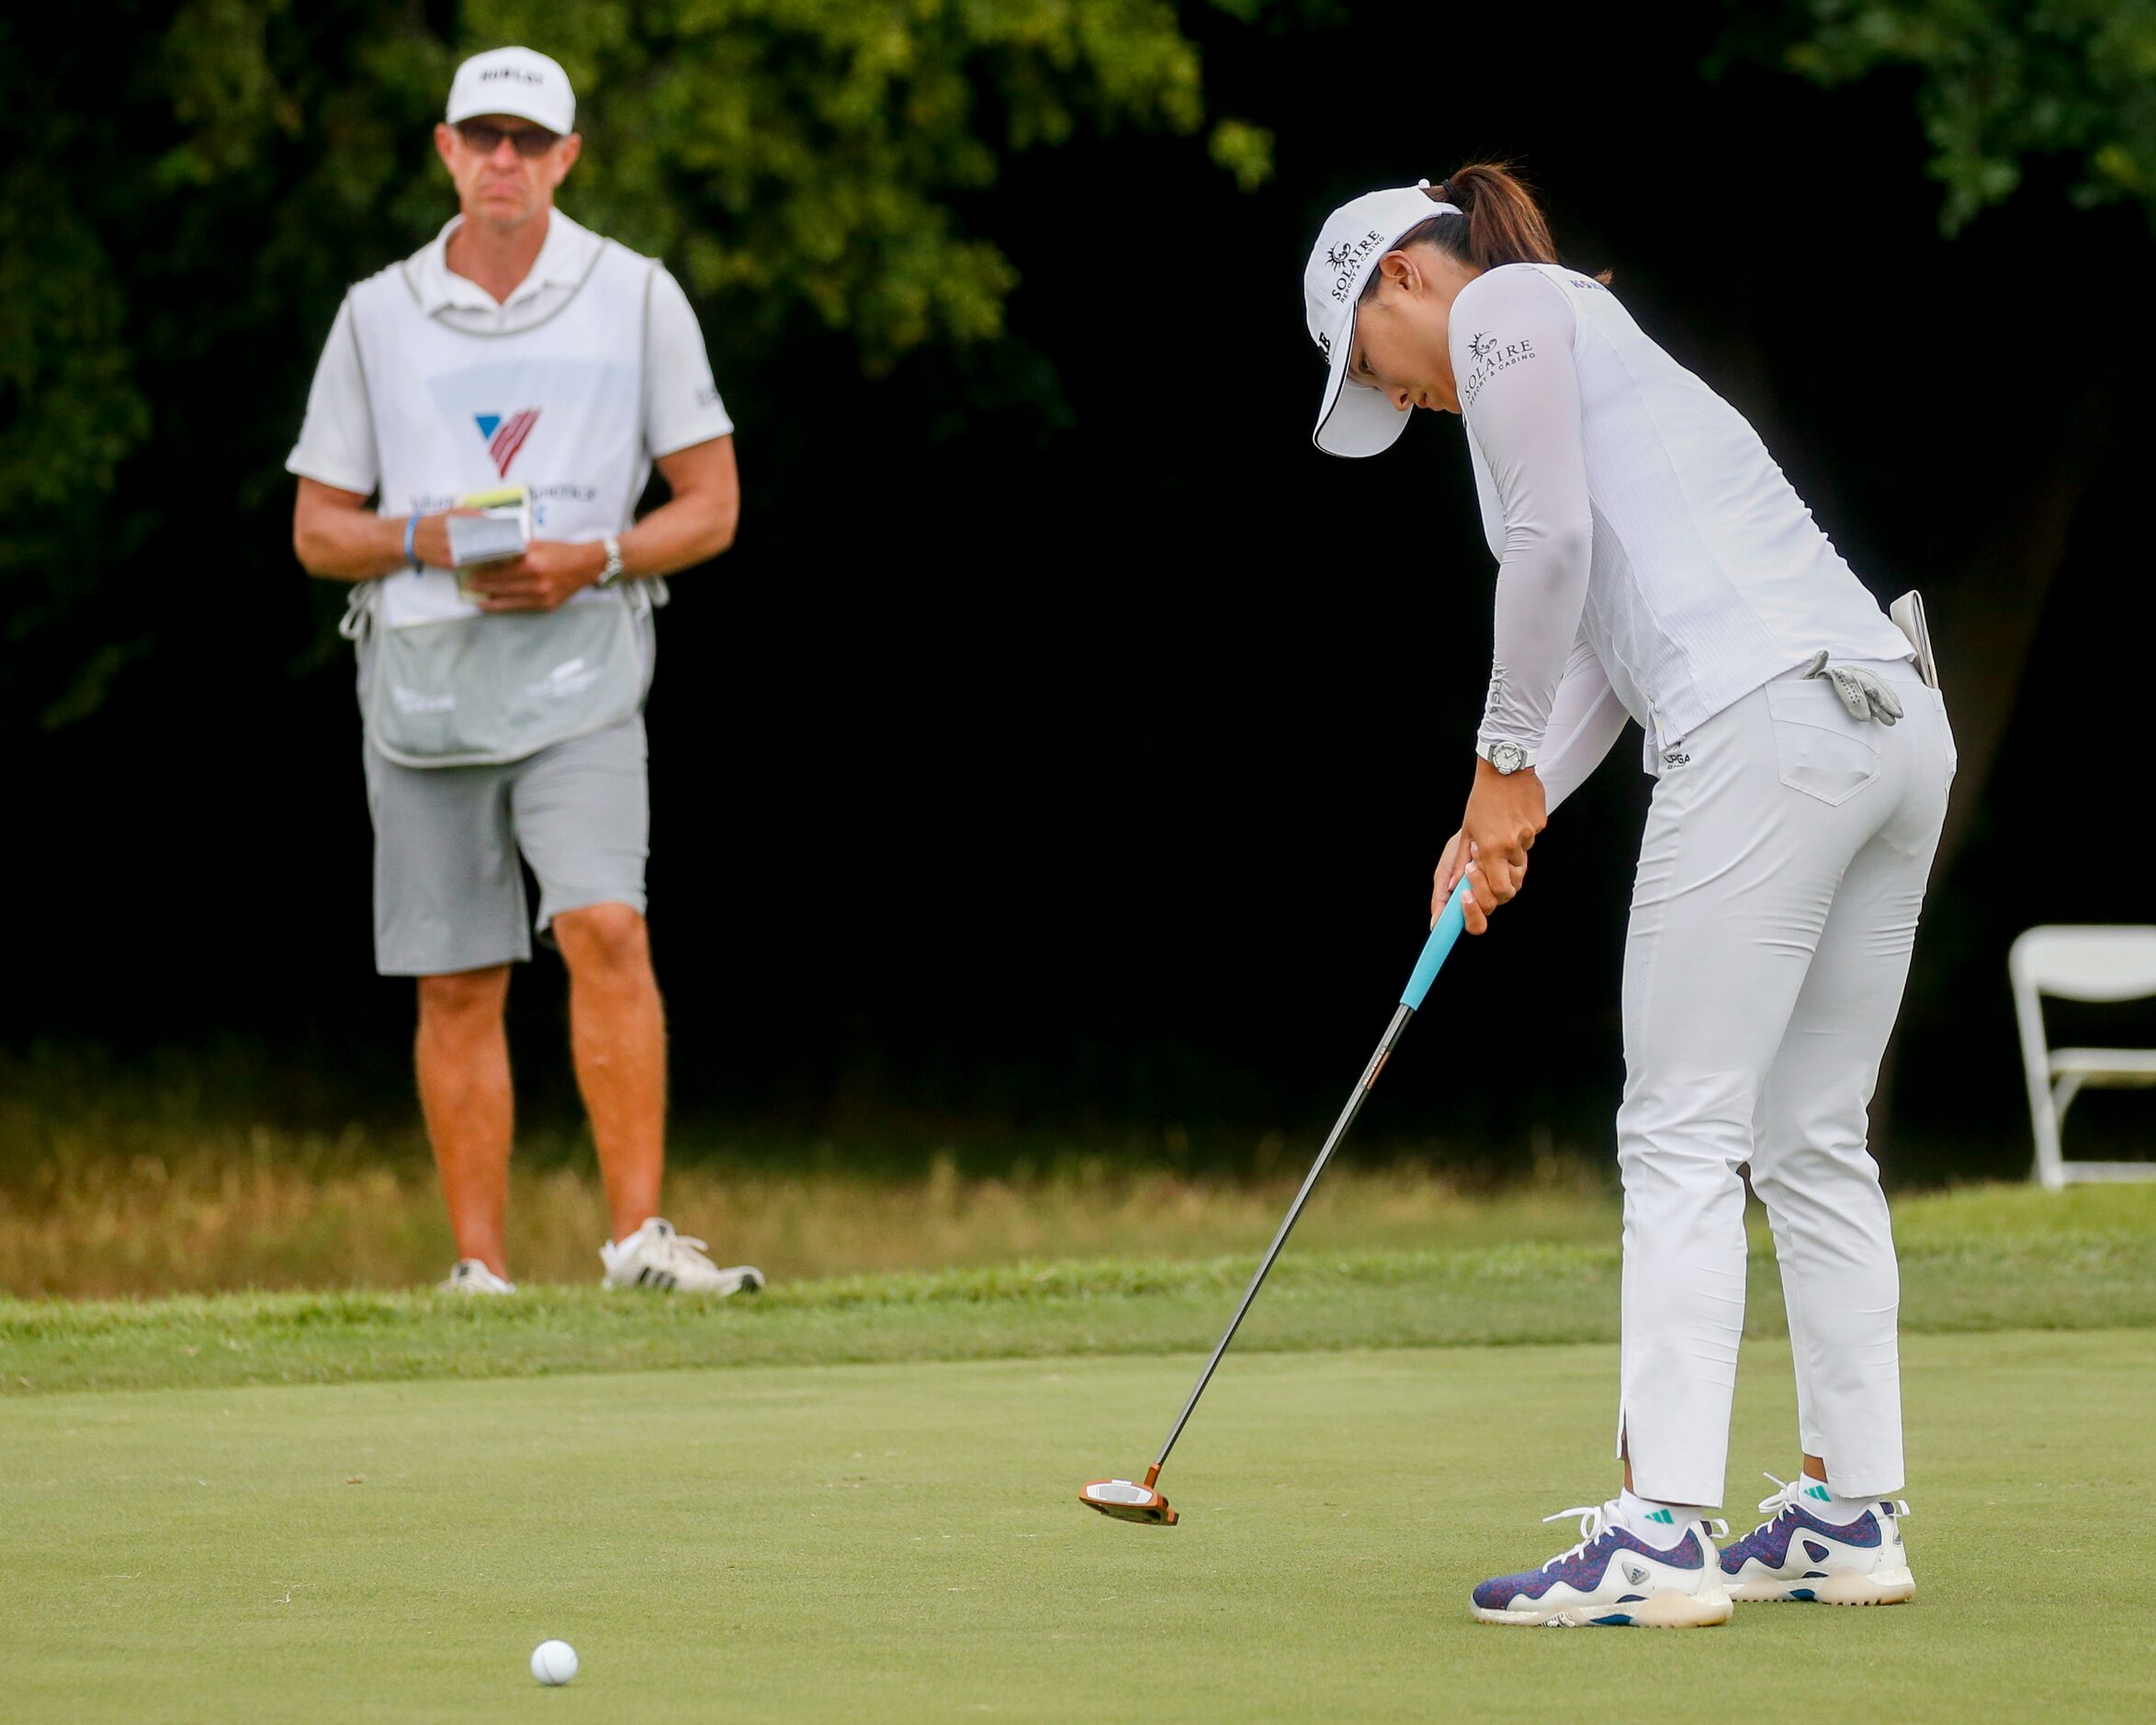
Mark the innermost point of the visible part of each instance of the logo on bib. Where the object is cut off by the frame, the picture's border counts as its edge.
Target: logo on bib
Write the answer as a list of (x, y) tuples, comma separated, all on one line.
[(506, 434), (571, 677), (416, 701)]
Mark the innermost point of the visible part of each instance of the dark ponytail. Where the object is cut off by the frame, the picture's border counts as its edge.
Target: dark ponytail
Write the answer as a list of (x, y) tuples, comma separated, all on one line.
[(1500, 222)]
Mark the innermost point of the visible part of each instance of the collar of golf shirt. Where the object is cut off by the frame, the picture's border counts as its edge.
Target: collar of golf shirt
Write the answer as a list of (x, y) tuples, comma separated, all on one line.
[(564, 260)]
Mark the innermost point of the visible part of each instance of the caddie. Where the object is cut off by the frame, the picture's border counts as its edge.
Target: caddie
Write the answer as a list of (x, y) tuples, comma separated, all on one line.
[(503, 699)]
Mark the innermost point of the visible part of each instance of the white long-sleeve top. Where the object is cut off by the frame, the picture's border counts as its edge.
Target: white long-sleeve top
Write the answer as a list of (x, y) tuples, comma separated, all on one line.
[(1652, 559)]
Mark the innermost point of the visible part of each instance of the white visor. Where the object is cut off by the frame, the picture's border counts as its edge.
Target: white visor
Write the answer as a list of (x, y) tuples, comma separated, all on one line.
[(1354, 419)]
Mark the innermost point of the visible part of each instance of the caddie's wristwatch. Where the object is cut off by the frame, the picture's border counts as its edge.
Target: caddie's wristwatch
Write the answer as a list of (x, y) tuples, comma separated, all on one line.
[(612, 572), (1508, 758)]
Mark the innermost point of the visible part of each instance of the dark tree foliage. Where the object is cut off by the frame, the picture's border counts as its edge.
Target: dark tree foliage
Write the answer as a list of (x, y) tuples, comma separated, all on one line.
[(2065, 89), (189, 189), (1064, 744), (2000, 84)]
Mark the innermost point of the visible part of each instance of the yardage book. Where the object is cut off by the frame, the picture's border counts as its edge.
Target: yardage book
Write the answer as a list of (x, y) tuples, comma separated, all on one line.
[(502, 528)]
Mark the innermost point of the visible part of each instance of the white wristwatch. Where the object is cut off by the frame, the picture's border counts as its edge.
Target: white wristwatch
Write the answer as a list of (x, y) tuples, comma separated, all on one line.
[(1508, 758), (612, 572)]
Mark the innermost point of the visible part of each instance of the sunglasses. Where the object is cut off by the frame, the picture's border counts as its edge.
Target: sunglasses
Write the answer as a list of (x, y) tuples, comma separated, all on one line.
[(485, 138)]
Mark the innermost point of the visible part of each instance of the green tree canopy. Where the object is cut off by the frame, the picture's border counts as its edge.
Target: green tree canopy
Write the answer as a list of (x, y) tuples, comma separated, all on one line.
[(1999, 84), (188, 188)]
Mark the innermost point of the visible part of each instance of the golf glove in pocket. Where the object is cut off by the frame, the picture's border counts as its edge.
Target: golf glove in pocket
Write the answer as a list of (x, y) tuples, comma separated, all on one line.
[(1862, 693)]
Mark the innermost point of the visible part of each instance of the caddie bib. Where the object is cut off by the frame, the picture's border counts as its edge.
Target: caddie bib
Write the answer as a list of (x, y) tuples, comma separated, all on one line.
[(558, 406)]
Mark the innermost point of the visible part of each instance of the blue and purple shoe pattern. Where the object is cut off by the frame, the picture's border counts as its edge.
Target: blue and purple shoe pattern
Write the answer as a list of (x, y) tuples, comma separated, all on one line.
[(1799, 1555), (1611, 1579)]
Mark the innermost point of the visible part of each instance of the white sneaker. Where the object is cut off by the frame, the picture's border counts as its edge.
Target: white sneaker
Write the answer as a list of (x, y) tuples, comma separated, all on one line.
[(656, 1256), (1613, 1578), (1796, 1555), (471, 1276)]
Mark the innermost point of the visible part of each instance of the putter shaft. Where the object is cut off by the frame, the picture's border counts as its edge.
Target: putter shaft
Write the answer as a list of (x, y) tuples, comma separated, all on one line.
[(1363, 1088)]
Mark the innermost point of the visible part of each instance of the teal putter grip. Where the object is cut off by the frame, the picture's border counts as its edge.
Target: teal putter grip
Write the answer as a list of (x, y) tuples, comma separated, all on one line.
[(1446, 931)]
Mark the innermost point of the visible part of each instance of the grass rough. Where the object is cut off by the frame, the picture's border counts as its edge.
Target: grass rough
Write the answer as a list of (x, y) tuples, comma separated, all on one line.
[(1980, 1260)]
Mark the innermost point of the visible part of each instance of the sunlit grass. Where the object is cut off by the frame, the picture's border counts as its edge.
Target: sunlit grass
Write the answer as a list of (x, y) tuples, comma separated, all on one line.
[(137, 1204), (129, 1192), (175, 1178), (292, 1215)]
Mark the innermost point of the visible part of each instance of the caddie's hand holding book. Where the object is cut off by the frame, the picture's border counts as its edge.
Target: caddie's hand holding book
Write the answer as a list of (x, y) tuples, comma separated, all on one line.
[(502, 528)]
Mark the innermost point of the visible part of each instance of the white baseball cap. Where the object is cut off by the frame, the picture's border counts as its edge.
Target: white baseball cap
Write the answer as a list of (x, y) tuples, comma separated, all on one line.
[(514, 81), (1356, 420)]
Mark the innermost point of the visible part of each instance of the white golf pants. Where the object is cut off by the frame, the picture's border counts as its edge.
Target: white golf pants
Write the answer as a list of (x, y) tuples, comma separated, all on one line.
[(1781, 878)]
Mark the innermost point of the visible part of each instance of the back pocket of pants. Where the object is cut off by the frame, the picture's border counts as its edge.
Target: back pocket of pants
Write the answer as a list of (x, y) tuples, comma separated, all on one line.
[(1818, 748)]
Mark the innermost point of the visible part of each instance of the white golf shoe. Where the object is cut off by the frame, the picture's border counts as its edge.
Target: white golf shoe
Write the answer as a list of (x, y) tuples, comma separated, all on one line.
[(1796, 1555), (1614, 1579), (471, 1276), (656, 1256)]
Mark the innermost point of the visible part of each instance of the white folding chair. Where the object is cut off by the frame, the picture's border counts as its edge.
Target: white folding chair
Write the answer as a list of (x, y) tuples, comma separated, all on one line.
[(2079, 963)]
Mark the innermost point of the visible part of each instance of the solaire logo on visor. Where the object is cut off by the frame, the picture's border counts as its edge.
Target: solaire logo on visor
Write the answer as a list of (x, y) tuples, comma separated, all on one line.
[(1345, 258), (506, 434)]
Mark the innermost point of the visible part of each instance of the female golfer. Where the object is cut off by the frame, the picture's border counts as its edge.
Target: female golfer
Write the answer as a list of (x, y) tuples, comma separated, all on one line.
[(1655, 563)]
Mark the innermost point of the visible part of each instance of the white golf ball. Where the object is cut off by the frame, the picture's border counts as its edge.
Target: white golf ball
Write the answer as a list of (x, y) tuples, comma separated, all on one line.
[(553, 1662)]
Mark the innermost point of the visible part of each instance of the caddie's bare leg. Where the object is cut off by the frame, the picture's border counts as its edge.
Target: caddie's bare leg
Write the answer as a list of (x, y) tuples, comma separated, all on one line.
[(617, 1036), (462, 1055)]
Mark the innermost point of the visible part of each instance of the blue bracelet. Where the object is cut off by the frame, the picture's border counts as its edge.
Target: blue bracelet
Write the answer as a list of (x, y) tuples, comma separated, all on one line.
[(412, 541)]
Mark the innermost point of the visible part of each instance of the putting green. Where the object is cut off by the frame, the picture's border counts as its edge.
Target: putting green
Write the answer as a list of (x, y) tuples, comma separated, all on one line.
[(903, 1541)]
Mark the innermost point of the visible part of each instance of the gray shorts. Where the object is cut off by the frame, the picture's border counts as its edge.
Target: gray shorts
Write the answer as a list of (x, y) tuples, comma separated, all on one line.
[(449, 885)]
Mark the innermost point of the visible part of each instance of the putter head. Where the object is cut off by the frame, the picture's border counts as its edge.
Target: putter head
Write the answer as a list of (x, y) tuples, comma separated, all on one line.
[(1128, 1501)]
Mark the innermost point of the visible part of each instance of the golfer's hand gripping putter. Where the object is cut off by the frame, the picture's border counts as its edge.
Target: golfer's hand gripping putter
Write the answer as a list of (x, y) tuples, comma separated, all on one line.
[(1131, 1500)]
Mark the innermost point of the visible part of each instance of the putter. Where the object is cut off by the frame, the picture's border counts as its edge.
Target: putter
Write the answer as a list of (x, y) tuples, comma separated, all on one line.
[(1140, 1501)]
